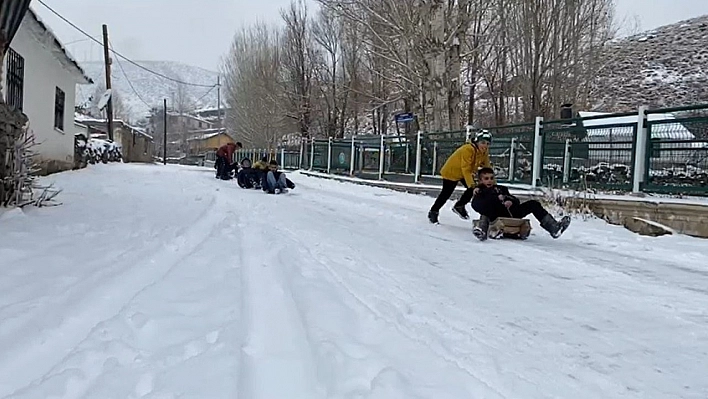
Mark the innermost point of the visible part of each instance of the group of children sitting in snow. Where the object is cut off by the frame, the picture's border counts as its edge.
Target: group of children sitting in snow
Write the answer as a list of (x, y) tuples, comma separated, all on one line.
[(263, 174)]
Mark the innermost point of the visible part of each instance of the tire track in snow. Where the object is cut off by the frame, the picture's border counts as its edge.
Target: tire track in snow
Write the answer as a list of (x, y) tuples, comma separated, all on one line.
[(104, 301), (325, 260), (276, 357), (516, 336)]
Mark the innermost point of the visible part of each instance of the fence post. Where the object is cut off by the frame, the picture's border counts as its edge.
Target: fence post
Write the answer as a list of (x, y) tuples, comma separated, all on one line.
[(640, 149), (282, 156), (418, 155), (382, 154), (408, 156), (302, 150), (537, 152), (435, 158), (351, 160), (512, 160), (329, 155), (312, 152), (567, 157)]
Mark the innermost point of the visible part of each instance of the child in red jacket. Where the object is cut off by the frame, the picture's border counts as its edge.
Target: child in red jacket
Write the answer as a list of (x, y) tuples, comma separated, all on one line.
[(225, 160)]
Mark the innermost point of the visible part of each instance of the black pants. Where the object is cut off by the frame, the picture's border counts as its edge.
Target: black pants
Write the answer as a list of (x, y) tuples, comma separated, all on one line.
[(248, 178), (224, 168), (447, 189), (493, 208)]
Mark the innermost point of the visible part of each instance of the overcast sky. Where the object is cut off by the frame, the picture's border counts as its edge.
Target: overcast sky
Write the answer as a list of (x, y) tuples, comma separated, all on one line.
[(199, 32)]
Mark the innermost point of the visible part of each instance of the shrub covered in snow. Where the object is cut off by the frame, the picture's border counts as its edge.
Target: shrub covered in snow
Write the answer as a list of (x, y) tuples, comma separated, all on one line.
[(95, 151)]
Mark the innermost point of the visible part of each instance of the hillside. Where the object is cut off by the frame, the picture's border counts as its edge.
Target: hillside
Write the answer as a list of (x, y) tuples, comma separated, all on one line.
[(658, 68), (150, 87)]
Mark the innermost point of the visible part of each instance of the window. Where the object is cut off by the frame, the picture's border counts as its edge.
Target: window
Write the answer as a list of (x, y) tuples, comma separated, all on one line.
[(59, 98), (15, 79)]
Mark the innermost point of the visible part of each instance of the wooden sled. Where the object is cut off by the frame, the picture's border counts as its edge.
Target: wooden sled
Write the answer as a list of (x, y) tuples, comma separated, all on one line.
[(508, 228)]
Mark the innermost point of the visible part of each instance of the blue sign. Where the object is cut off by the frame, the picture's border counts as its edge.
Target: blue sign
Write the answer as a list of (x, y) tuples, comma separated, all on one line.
[(406, 117)]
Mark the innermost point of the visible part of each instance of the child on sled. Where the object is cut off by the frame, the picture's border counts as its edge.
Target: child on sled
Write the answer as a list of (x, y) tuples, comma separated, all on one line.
[(275, 181), (492, 201)]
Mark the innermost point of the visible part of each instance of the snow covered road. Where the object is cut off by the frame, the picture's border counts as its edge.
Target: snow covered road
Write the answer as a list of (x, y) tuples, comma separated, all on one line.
[(162, 282)]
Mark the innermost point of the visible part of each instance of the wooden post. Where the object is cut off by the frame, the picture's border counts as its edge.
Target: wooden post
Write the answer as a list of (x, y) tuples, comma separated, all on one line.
[(107, 61), (164, 126)]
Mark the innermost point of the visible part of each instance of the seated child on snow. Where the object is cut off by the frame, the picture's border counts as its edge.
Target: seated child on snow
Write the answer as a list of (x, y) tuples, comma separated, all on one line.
[(248, 177), (492, 201), (274, 181)]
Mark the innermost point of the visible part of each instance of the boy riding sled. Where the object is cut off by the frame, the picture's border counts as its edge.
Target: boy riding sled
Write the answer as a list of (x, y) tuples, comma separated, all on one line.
[(461, 167), (492, 201)]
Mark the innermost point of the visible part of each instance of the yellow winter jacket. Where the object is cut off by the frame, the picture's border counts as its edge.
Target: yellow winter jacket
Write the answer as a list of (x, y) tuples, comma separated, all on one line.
[(260, 165), (464, 163)]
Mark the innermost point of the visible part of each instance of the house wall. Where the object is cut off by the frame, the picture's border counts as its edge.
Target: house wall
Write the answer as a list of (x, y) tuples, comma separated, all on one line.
[(212, 143), (140, 150), (43, 73)]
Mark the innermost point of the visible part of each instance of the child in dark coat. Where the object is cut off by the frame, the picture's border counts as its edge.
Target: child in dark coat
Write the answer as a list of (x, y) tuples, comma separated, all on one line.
[(248, 177), (275, 182), (492, 201)]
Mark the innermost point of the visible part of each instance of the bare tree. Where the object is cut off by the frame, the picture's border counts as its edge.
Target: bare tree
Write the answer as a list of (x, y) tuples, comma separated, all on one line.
[(359, 62), (252, 72), (297, 54)]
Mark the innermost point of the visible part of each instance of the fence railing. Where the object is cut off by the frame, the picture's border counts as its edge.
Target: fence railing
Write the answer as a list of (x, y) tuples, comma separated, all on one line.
[(660, 150)]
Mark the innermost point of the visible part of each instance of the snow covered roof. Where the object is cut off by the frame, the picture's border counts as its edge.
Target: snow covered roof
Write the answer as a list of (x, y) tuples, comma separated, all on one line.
[(64, 56), (667, 131), (99, 124), (207, 134), (173, 113), (210, 109)]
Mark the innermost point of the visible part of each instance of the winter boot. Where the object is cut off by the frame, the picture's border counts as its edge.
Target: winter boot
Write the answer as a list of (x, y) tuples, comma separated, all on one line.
[(433, 217), (461, 211), (554, 227), (480, 230)]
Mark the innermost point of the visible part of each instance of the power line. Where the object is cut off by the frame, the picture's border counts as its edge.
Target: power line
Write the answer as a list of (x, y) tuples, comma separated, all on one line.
[(128, 79), (117, 53), (206, 94)]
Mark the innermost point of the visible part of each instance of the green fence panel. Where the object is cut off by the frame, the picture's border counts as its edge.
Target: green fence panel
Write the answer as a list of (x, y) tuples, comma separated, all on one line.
[(676, 160)]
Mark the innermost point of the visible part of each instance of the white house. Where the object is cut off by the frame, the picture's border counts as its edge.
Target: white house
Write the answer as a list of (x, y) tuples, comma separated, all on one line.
[(40, 78)]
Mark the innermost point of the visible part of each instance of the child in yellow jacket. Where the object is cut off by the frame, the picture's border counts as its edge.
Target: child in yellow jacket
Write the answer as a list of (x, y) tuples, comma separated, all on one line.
[(461, 167)]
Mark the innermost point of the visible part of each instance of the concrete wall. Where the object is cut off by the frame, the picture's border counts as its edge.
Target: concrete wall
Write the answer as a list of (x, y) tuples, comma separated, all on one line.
[(689, 219), (134, 149)]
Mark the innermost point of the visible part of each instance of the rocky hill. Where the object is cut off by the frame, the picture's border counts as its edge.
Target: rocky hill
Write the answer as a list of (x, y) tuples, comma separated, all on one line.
[(664, 67), (150, 87)]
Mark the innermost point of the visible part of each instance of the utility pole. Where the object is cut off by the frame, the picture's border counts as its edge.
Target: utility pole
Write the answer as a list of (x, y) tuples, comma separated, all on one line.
[(164, 138), (218, 99), (107, 60)]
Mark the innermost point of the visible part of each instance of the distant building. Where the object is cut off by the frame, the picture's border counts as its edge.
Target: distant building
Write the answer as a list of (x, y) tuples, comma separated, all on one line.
[(207, 141), (136, 145)]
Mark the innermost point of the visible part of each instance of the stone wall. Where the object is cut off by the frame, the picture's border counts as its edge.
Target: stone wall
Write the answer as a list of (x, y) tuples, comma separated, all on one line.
[(689, 219), (11, 124), (665, 67)]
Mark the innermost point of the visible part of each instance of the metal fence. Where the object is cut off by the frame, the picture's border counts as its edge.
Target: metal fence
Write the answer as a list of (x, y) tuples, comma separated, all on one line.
[(668, 149)]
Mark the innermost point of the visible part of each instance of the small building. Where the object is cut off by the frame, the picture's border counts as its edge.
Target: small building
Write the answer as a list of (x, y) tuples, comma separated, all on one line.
[(135, 144), (208, 140), (40, 79)]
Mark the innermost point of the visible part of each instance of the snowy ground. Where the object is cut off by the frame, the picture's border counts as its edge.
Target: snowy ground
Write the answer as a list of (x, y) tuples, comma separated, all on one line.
[(162, 282)]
